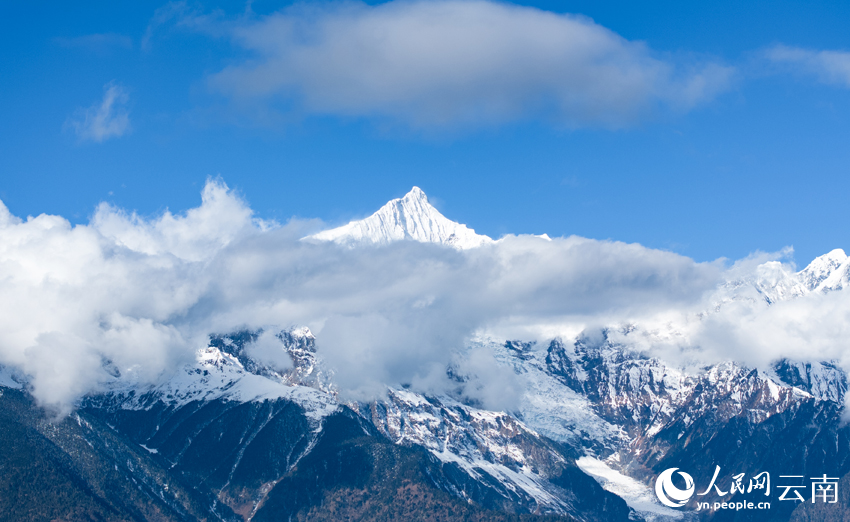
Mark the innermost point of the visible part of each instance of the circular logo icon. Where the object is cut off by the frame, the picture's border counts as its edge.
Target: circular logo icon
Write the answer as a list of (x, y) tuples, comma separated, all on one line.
[(670, 495)]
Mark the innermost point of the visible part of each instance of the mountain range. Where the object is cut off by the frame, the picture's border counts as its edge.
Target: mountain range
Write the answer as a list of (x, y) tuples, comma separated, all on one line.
[(228, 437)]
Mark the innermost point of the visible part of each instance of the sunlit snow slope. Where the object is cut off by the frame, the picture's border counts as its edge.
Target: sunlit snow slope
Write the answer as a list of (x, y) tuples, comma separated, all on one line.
[(411, 217)]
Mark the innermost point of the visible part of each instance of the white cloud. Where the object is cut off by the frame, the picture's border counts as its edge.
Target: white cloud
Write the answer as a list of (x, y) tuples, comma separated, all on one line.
[(814, 326), (267, 349), (145, 293), (829, 66), (103, 120), (198, 235), (735, 321), (457, 62), (141, 295)]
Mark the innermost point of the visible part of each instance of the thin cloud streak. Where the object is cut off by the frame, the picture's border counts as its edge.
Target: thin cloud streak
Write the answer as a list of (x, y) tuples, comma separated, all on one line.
[(106, 119), (829, 66)]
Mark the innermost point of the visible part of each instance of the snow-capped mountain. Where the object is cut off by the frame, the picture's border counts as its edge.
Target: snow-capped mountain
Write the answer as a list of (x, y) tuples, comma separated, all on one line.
[(485, 458), (624, 415), (411, 217), (231, 437), (595, 415), (774, 282), (826, 273), (621, 412)]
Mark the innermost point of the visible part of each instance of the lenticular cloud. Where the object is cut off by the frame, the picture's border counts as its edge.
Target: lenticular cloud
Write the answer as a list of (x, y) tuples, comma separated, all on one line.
[(132, 298)]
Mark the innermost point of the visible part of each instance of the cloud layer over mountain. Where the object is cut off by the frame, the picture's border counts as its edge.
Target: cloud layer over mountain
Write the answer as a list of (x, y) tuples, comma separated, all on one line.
[(141, 295)]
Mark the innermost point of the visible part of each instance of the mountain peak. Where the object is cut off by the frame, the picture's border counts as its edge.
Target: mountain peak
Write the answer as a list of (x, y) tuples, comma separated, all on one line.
[(416, 193), (830, 271), (410, 217)]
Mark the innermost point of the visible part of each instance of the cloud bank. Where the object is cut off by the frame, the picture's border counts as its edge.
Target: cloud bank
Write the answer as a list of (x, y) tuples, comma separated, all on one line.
[(141, 295), (138, 296), (455, 62), (104, 120)]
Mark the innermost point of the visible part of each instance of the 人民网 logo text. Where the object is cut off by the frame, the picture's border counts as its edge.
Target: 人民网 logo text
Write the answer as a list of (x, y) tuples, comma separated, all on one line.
[(795, 488)]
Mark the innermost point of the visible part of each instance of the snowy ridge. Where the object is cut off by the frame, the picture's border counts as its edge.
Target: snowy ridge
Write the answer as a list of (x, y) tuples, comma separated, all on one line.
[(600, 397), (298, 347), (828, 272), (773, 282), (823, 380), (478, 441), (644, 395), (220, 376), (496, 450), (597, 393), (548, 406), (630, 409), (409, 218), (10, 378)]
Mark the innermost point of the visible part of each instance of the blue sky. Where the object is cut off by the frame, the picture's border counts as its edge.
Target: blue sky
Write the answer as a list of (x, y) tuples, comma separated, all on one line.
[(756, 159)]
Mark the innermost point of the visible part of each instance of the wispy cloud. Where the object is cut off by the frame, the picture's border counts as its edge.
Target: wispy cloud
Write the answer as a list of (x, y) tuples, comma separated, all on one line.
[(188, 17), (829, 66), (455, 62), (105, 119)]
